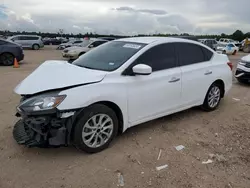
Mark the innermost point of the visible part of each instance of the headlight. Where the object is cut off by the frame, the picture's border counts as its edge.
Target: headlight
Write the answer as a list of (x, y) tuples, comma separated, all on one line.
[(41, 103)]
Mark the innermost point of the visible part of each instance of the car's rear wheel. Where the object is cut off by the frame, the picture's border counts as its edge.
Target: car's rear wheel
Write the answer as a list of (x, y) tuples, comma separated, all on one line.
[(35, 47), (224, 52), (7, 59), (96, 129), (234, 53), (213, 97)]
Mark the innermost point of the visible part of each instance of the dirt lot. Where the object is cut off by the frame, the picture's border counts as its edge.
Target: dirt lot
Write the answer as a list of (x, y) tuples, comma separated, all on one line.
[(224, 133)]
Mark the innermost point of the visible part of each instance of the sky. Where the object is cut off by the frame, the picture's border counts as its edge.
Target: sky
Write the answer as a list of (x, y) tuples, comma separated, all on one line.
[(126, 17)]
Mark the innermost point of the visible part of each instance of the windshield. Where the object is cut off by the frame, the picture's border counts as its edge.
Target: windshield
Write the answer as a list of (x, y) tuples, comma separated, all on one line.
[(109, 56)]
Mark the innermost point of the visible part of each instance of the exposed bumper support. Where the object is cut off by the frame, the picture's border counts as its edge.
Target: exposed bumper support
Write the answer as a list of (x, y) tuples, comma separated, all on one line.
[(45, 130)]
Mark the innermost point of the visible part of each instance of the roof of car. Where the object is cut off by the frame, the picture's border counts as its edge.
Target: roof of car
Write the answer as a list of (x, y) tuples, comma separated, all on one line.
[(148, 40)]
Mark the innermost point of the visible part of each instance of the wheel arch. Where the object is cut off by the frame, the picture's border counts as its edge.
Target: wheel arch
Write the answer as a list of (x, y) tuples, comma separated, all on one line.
[(117, 111), (222, 86), (114, 107)]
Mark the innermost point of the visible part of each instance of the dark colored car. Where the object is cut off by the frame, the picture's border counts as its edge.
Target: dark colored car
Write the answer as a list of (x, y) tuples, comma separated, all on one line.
[(9, 51), (52, 42), (107, 38)]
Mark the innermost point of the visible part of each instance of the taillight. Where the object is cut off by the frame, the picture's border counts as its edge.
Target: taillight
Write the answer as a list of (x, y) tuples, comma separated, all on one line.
[(230, 65)]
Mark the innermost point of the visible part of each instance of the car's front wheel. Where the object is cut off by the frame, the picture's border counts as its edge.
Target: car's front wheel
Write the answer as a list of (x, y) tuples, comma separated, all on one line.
[(7, 59), (96, 129), (213, 97)]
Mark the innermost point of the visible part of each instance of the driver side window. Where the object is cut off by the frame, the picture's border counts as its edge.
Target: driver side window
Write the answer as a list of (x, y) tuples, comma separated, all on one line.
[(159, 57)]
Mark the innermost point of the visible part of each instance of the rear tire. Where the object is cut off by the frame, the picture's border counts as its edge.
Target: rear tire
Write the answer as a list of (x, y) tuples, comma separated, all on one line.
[(96, 129), (35, 47), (7, 59), (234, 53), (213, 97)]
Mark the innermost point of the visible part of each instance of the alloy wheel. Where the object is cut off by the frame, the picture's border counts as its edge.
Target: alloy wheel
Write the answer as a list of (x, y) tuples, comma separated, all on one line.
[(97, 130), (214, 96)]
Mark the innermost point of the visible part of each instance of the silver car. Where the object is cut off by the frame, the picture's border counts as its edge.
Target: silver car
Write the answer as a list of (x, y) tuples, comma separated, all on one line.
[(28, 41)]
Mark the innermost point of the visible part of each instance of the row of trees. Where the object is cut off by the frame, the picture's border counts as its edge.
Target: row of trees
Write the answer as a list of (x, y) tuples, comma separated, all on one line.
[(237, 35)]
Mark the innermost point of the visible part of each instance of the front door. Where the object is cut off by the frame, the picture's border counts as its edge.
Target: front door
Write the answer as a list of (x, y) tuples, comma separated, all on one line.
[(154, 95)]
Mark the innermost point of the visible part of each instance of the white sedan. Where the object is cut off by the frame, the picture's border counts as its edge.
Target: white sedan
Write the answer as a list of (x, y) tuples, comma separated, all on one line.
[(116, 86), (227, 48)]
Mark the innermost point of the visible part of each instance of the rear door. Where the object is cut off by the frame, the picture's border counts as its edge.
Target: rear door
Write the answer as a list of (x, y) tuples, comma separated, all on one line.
[(196, 69)]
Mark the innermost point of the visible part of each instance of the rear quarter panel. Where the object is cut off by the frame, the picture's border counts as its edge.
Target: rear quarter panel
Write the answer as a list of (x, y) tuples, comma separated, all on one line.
[(221, 70)]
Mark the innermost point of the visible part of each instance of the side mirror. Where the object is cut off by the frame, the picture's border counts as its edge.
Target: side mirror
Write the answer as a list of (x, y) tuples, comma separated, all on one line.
[(142, 69)]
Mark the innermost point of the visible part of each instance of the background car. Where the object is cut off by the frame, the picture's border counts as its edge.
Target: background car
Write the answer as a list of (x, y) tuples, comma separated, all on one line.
[(227, 48), (28, 41), (212, 43), (52, 41), (242, 73), (9, 51), (81, 48), (69, 44)]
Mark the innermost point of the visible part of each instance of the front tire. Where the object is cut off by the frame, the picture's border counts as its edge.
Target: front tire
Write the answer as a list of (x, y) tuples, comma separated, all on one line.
[(96, 129), (213, 97), (7, 59)]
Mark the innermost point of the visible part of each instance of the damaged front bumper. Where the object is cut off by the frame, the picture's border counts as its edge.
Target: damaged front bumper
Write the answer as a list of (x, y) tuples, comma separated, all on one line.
[(44, 130)]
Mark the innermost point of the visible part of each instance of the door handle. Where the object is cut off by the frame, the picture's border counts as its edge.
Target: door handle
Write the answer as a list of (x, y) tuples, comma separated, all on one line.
[(174, 79), (208, 72)]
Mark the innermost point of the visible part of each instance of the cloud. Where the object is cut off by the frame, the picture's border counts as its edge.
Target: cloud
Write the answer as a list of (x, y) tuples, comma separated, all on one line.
[(149, 11), (128, 17)]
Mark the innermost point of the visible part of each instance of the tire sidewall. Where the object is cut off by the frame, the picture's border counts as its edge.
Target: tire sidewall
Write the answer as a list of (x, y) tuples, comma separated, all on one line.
[(205, 104), (7, 64), (86, 115), (34, 47)]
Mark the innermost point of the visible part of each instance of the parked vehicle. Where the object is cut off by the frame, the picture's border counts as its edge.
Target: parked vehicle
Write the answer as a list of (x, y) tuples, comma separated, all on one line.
[(243, 70), (69, 44), (227, 48), (28, 41), (107, 38), (52, 41), (118, 85), (9, 51), (226, 41), (212, 43), (81, 48)]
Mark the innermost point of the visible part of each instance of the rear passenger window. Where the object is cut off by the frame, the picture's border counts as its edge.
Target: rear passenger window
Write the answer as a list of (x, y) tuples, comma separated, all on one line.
[(189, 54), (159, 57), (207, 54)]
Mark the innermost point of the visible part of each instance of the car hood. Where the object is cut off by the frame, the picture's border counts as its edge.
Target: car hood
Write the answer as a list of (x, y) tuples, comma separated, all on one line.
[(57, 75), (246, 58)]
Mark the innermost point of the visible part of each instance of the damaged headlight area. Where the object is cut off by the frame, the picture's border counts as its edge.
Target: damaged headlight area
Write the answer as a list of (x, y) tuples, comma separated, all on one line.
[(41, 103)]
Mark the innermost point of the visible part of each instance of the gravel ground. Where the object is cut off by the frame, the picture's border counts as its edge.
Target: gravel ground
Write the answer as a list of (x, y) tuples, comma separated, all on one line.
[(222, 136)]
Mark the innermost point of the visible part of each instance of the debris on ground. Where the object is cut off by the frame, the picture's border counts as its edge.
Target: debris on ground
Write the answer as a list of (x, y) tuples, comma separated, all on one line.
[(161, 167), (236, 99), (209, 161), (120, 180), (218, 157), (216, 134), (180, 147), (159, 155)]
